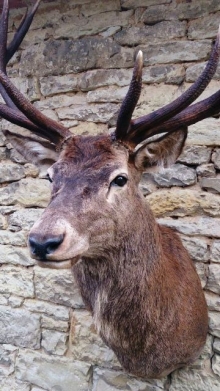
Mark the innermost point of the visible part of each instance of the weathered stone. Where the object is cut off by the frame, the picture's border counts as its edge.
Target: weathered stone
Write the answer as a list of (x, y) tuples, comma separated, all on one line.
[(2, 153), (216, 158), (195, 70), (57, 286), (210, 184), (215, 251), (19, 327), (7, 359), (205, 27), (201, 269), (58, 101), (197, 247), (216, 345), (214, 323), (17, 281), (182, 202), (157, 13), (176, 175), (95, 113), (91, 25), (15, 256), (205, 226), (24, 219), (110, 94), (28, 192), (213, 301), (206, 170), (58, 84), (97, 7), (110, 31), (16, 157), (205, 132), (93, 79), (10, 172), (213, 283), (15, 301), (3, 222), (188, 379), (53, 324), (195, 154), (54, 342), (57, 311), (9, 383), (216, 364), (166, 30), (30, 170), (109, 380), (142, 3), (86, 345), (56, 373), (16, 239)]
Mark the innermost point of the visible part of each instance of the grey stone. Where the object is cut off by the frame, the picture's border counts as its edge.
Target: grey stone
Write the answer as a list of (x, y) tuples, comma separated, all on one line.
[(15, 255), (194, 380), (15, 239), (2, 153), (133, 36), (171, 74), (175, 51), (10, 172), (216, 364), (109, 380), (110, 94), (58, 312), (197, 248), (59, 101), (205, 132), (54, 342), (214, 323), (97, 7), (213, 283), (24, 219), (7, 359), (215, 251), (15, 301), (176, 175), (57, 286), (216, 345), (3, 222), (17, 281), (96, 113), (49, 323), (216, 158), (9, 383), (206, 170), (201, 269), (142, 3), (16, 156), (58, 84), (213, 301), (93, 79), (195, 70), (210, 184), (56, 373), (206, 27), (195, 154), (19, 327), (205, 226), (86, 345)]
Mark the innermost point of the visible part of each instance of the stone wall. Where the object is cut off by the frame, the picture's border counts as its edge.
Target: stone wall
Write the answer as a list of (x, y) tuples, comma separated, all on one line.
[(75, 66)]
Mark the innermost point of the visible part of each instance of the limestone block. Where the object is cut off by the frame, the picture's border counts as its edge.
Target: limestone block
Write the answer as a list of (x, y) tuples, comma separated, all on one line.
[(171, 74), (10, 254), (216, 345), (216, 158), (197, 247), (183, 202), (194, 380), (50, 323), (61, 100), (201, 269), (206, 27), (213, 283), (97, 7), (16, 239), (24, 219), (10, 172), (133, 36), (93, 79), (7, 359), (109, 380), (195, 70), (17, 281), (19, 327), (213, 301), (10, 383), (58, 312), (56, 373), (205, 132), (157, 13), (57, 286), (52, 85), (96, 113), (110, 94), (195, 154), (205, 226), (86, 345), (210, 184), (3, 222), (28, 192), (54, 342), (176, 175), (214, 323), (206, 170), (142, 3), (216, 364), (215, 251), (15, 301), (174, 52), (2, 153)]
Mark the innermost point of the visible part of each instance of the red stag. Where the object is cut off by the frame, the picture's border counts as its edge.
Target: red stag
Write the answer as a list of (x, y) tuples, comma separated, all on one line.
[(134, 275)]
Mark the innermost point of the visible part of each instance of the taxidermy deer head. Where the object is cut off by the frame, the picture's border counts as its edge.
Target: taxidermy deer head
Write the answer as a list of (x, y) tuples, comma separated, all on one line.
[(134, 275)]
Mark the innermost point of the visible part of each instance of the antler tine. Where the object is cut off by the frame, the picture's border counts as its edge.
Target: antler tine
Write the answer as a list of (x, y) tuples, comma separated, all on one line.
[(130, 101), (146, 123), (29, 117)]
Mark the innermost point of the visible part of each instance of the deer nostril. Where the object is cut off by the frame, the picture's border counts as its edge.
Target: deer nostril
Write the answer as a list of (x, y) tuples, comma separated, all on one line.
[(40, 249)]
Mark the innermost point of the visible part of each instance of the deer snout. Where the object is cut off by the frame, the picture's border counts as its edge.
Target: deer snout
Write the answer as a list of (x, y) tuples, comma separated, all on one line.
[(40, 249)]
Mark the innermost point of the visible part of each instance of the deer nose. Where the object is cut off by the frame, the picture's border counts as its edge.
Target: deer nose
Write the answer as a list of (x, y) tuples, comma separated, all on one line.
[(40, 249)]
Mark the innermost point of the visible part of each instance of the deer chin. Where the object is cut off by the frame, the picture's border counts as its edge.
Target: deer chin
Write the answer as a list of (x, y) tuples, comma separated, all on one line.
[(64, 264)]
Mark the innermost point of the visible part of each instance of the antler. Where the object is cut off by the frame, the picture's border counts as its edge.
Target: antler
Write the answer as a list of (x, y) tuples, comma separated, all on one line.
[(18, 109), (172, 116)]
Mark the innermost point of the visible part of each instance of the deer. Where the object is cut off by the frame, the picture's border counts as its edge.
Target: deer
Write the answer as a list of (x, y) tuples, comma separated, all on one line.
[(134, 275)]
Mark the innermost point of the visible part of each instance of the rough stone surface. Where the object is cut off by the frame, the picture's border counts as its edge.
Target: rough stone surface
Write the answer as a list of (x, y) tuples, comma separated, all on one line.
[(211, 184), (20, 284), (194, 155), (177, 175)]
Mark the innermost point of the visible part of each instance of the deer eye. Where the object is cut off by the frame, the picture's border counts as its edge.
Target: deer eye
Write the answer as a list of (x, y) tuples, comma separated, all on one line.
[(120, 181), (49, 178)]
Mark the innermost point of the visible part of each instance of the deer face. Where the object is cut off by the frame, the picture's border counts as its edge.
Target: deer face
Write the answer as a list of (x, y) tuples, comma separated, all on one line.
[(92, 184)]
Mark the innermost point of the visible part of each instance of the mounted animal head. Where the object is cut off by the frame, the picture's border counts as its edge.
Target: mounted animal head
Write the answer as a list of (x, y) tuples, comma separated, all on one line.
[(95, 178)]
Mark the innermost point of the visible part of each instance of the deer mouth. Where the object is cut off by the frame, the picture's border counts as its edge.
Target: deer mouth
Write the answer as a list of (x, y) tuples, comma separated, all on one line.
[(63, 264)]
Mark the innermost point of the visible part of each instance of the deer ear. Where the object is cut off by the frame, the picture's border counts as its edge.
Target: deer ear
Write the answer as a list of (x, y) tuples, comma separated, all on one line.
[(161, 152), (40, 152)]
